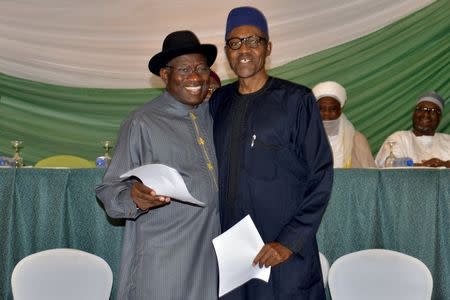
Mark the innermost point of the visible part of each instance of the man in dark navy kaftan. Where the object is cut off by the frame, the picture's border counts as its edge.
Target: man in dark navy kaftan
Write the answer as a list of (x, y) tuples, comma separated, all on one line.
[(275, 164)]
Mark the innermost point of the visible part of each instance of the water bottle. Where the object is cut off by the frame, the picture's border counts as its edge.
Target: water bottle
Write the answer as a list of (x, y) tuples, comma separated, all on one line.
[(6, 162), (403, 162), (102, 161)]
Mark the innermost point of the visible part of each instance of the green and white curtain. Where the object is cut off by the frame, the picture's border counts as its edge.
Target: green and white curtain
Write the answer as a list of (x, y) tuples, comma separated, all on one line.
[(70, 71)]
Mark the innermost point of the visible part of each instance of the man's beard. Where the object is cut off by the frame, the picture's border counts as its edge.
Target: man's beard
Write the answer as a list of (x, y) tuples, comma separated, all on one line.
[(424, 130)]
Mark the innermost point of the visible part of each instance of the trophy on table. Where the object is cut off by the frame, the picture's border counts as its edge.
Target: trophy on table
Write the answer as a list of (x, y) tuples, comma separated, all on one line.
[(17, 161), (389, 161), (103, 161)]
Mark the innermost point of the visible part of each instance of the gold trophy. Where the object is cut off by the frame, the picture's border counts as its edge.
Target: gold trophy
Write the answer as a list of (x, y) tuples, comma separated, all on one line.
[(17, 159), (389, 161)]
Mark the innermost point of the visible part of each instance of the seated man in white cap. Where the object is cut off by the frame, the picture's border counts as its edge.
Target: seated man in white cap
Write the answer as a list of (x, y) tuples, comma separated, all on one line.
[(350, 147), (422, 144)]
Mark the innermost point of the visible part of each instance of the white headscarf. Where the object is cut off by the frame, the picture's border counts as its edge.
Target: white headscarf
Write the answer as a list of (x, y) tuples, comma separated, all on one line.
[(330, 89), (340, 131)]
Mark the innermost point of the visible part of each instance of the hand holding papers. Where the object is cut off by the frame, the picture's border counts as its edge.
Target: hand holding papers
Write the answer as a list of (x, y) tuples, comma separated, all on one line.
[(235, 249), (164, 180)]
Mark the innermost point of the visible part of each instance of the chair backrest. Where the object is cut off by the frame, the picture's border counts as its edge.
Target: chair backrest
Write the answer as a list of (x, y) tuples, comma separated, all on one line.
[(325, 265), (379, 274), (64, 161), (63, 273)]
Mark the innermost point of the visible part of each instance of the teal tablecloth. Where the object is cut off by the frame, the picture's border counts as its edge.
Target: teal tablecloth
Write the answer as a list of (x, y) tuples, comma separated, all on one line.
[(403, 210)]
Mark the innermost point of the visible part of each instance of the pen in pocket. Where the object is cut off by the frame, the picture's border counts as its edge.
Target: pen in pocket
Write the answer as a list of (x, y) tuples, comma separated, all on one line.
[(253, 141)]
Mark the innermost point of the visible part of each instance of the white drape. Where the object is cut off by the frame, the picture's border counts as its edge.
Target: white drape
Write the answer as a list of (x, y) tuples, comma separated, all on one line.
[(107, 43)]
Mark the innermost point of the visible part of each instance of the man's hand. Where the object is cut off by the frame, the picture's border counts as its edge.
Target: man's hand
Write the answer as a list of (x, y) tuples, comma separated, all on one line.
[(434, 163), (145, 198), (271, 255)]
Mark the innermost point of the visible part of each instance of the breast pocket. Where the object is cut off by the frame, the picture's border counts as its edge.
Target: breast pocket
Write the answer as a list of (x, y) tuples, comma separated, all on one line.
[(261, 157)]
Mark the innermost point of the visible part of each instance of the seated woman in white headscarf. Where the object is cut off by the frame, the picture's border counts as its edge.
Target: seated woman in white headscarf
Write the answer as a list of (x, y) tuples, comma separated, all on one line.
[(350, 147)]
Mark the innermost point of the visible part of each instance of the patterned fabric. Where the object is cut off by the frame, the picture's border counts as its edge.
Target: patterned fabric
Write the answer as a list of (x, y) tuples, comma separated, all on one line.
[(167, 253)]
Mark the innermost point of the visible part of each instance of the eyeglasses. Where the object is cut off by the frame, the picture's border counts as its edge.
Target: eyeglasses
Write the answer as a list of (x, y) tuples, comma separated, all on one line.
[(250, 41), (432, 111), (188, 70)]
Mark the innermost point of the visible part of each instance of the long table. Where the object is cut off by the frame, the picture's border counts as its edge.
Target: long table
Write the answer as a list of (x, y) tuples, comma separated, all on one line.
[(402, 210)]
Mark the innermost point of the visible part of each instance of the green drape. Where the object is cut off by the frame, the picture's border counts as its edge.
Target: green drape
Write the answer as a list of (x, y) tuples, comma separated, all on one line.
[(61, 120), (384, 73), (53, 208), (402, 210)]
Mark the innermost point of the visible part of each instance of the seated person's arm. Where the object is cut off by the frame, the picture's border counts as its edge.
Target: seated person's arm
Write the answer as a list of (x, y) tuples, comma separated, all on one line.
[(435, 163)]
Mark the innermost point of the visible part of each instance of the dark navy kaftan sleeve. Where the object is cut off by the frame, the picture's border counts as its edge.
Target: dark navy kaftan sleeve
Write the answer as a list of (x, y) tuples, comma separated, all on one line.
[(310, 143)]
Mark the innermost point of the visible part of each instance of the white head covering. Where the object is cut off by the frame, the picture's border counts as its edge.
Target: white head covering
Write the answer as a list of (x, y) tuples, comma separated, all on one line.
[(340, 132), (341, 142), (330, 89), (434, 98)]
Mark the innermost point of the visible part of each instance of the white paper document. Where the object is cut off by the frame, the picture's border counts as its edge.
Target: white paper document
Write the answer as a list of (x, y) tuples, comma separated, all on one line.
[(235, 250), (165, 181)]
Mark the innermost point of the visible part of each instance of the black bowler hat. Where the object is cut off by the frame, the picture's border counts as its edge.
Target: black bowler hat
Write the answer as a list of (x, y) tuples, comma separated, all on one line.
[(179, 43)]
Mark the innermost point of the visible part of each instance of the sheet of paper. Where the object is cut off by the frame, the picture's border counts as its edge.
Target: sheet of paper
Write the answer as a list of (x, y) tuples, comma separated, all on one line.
[(166, 181), (235, 250)]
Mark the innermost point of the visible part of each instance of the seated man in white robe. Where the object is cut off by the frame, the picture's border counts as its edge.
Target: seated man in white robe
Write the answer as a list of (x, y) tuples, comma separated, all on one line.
[(350, 147), (422, 144)]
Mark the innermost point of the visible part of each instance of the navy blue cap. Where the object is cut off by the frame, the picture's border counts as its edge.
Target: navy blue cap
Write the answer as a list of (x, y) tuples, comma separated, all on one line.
[(246, 15)]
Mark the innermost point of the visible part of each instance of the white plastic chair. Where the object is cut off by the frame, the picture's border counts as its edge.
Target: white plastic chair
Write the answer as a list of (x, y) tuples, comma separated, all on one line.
[(64, 273), (379, 274), (325, 265)]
